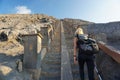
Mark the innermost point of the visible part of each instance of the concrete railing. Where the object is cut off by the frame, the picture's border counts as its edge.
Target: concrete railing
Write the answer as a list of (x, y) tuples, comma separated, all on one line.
[(32, 56), (115, 54), (108, 62), (66, 72), (47, 33)]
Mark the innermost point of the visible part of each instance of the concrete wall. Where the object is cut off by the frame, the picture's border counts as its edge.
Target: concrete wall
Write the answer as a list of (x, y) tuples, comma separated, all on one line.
[(108, 67), (108, 62)]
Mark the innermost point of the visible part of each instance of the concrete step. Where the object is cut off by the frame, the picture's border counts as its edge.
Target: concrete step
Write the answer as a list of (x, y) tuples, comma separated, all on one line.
[(76, 76), (76, 79), (52, 62), (53, 56), (44, 65), (50, 78), (75, 71), (50, 74), (52, 68)]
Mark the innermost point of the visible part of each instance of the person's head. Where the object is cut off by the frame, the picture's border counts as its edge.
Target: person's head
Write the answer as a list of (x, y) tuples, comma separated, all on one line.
[(79, 31)]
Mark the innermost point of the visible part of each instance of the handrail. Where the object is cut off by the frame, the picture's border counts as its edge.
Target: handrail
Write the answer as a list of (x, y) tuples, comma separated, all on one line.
[(66, 72), (115, 54)]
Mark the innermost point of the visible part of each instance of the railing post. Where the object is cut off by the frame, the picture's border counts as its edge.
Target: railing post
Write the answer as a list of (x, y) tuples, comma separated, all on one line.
[(44, 32), (47, 32), (66, 73), (31, 60)]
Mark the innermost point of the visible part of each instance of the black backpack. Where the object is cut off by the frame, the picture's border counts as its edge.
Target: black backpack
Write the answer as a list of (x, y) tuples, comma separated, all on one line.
[(87, 45)]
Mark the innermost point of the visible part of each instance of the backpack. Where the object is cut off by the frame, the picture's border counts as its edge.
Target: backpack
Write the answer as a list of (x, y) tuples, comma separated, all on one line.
[(87, 45)]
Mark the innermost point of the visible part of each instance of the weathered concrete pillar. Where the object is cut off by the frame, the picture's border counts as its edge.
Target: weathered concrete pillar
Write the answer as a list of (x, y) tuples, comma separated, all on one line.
[(44, 32), (31, 60)]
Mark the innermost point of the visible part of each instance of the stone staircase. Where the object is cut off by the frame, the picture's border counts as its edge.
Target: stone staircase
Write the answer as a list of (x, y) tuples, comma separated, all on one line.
[(51, 64)]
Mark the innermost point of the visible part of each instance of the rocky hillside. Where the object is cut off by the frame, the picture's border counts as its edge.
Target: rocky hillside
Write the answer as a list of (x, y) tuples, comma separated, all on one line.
[(107, 32), (12, 26), (11, 47), (111, 30), (24, 24), (71, 25)]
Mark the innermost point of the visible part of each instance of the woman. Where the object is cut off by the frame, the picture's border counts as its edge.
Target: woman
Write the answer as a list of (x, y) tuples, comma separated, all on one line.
[(82, 57)]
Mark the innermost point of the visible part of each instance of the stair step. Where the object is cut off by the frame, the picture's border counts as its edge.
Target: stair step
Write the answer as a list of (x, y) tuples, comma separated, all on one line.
[(51, 65), (51, 62), (75, 71), (52, 53), (50, 78), (74, 65), (53, 57), (76, 79), (75, 76), (51, 68), (50, 74)]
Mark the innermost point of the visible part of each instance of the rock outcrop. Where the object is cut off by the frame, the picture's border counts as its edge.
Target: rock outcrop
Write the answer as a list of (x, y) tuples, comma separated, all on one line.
[(111, 30)]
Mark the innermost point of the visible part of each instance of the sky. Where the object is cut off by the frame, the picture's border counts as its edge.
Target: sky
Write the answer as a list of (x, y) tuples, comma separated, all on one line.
[(98, 11)]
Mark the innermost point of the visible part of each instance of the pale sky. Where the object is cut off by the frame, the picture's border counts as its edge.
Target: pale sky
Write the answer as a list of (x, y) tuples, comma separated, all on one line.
[(99, 11)]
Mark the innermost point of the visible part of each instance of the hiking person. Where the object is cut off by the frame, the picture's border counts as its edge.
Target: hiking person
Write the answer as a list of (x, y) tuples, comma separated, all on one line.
[(83, 57)]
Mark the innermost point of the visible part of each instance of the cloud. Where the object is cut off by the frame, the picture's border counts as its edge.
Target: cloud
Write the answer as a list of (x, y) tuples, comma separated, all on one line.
[(23, 10)]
